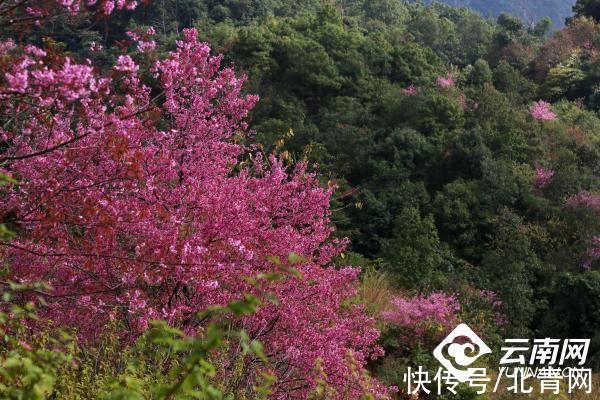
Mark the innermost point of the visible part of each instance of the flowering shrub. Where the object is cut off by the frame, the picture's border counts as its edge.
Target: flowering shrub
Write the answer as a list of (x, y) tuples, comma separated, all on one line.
[(410, 90), (543, 177), (135, 208), (423, 313), (446, 81), (585, 199), (541, 111), (495, 304)]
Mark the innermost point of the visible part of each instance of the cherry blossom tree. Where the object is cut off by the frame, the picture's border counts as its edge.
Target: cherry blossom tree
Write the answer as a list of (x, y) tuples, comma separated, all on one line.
[(543, 177), (584, 199), (420, 314), (24, 13), (447, 81), (541, 111), (410, 90), (138, 202)]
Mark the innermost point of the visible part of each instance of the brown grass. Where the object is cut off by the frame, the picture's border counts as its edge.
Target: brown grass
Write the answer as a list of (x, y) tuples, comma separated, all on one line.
[(376, 292)]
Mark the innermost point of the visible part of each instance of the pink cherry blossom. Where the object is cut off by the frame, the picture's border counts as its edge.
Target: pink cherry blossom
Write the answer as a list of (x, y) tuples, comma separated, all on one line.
[(34, 11), (142, 40), (6, 46), (410, 91), (25, 345), (34, 51), (75, 6), (495, 303), (420, 313), (584, 199), (541, 111), (108, 6), (543, 177), (126, 64), (96, 47), (446, 81)]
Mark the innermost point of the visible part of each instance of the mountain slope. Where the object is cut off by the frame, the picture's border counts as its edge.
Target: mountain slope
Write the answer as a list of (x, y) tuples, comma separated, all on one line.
[(528, 10)]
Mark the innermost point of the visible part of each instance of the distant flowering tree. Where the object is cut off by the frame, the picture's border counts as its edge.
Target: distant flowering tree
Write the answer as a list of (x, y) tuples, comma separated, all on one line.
[(132, 203), (410, 91), (543, 177), (493, 300), (446, 81), (541, 111), (436, 312), (29, 12), (584, 199)]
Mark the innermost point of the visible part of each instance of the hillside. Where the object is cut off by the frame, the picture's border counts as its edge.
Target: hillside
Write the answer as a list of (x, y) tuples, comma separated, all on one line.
[(529, 10)]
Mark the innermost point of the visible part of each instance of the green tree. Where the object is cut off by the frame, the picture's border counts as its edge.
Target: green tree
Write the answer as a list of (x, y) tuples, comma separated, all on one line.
[(510, 266), (481, 73), (587, 8), (414, 254)]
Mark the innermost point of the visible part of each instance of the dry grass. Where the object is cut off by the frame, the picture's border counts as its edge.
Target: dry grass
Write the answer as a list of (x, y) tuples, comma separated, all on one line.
[(376, 292)]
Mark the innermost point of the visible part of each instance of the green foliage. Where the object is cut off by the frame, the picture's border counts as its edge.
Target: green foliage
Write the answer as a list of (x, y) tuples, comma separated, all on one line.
[(573, 310), (28, 365), (510, 81), (5, 232), (481, 74), (439, 183), (163, 364), (510, 265), (587, 8), (414, 253)]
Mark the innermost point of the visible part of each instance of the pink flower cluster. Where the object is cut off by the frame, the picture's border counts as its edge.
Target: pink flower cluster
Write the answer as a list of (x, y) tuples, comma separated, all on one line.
[(143, 39), (96, 47), (541, 111), (446, 81), (543, 177), (107, 6), (6, 46), (126, 64), (410, 91), (42, 8), (422, 313), (585, 199)]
